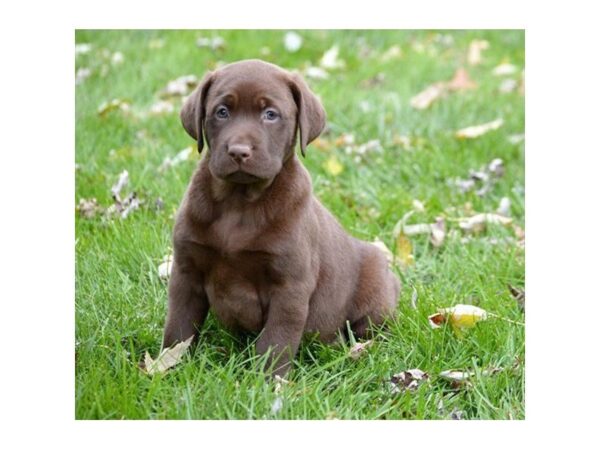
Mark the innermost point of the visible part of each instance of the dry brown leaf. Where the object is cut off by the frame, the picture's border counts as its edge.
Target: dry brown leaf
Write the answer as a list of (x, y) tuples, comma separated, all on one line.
[(461, 81), (425, 98), (119, 185), (167, 358), (456, 376), (88, 208), (479, 130), (478, 222), (518, 294), (408, 380), (438, 232), (359, 349)]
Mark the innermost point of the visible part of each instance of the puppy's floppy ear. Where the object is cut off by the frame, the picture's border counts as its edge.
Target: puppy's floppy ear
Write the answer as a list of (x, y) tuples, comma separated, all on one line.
[(311, 115), (194, 111)]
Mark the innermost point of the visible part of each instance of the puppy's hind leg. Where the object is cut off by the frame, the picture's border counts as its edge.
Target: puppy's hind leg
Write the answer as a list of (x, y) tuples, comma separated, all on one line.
[(376, 295)]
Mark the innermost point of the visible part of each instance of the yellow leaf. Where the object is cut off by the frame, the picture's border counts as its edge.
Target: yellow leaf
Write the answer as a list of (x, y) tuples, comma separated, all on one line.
[(478, 130), (404, 251), (333, 166), (459, 317)]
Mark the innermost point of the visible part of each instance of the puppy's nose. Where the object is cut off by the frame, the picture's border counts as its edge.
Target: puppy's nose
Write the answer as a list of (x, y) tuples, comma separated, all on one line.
[(239, 152)]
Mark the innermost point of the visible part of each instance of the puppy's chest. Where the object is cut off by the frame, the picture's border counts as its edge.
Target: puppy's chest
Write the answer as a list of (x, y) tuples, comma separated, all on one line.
[(237, 271)]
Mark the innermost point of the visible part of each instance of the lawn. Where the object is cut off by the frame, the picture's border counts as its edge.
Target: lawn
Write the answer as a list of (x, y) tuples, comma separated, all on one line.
[(412, 161)]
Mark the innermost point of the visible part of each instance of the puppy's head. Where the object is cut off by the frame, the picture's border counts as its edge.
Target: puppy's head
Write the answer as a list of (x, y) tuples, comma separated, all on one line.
[(249, 112)]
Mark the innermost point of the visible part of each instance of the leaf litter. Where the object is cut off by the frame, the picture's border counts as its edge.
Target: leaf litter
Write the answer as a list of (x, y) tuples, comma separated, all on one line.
[(122, 207)]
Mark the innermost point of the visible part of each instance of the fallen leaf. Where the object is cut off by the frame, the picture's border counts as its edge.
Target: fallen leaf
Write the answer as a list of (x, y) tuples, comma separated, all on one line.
[(404, 251), (504, 69), (461, 81), (83, 48), (418, 205), (403, 141), (438, 232), (88, 208), (392, 53), (128, 205), (459, 317), (113, 105), (478, 222), (344, 139), (425, 98), (292, 41), (479, 130), (180, 157), (161, 107), (82, 74), (508, 85), (496, 167), (180, 87), (455, 376), (330, 60), (117, 58), (518, 294), (119, 185), (214, 43), (504, 207), (316, 73), (408, 380), (167, 358), (280, 383), (516, 138), (333, 166), (413, 298), (457, 414), (277, 405), (164, 268), (359, 349), (475, 48)]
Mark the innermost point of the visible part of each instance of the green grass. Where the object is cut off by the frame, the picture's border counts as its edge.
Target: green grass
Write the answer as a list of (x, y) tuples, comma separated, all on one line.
[(121, 302)]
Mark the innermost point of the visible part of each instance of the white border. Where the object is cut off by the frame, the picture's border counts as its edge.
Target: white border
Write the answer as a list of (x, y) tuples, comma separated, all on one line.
[(38, 230)]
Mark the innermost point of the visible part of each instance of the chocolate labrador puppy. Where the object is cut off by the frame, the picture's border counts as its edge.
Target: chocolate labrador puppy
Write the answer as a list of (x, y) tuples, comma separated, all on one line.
[(251, 241)]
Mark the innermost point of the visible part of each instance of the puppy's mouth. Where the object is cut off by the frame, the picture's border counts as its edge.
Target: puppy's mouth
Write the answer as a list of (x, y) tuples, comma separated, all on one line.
[(241, 177)]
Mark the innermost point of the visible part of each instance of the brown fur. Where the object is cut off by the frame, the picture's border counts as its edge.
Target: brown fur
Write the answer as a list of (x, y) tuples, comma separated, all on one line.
[(251, 241)]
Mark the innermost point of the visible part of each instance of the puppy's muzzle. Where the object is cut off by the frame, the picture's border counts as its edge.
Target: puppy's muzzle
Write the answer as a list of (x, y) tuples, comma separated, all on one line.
[(240, 153)]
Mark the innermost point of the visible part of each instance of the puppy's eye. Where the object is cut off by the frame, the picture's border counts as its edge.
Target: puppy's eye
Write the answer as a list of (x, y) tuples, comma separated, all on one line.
[(222, 112), (270, 115)]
